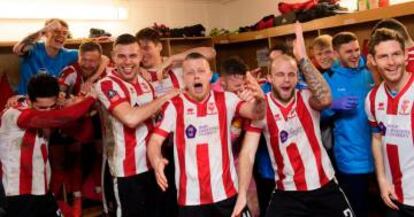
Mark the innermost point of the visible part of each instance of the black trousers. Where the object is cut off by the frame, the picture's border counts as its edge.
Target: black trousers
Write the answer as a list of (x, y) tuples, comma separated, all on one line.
[(404, 211), (328, 201), (137, 195), (32, 206), (219, 209)]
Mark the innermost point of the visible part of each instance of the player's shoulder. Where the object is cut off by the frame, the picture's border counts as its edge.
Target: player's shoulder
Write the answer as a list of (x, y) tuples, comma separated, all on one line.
[(177, 70), (226, 94), (375, 90), (69, 69), (304, 92), (10, 115)]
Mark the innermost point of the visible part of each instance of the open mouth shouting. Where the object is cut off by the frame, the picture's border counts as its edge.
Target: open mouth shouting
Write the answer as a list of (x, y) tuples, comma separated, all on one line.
[(198, 88)]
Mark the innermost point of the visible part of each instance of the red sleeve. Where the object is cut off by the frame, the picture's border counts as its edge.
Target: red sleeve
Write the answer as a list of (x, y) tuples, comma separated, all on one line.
[(32, 118), (239, 105), (64, 75), (253, 129)]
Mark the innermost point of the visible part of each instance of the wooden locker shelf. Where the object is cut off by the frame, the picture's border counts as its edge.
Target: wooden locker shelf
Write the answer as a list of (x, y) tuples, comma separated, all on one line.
[(360, 23), (9, 63)]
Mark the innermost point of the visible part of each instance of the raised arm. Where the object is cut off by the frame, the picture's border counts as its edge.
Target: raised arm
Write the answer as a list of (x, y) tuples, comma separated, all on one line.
[(133, 116), (55, 118), (255, 105), (321, 93), (23, 46), (176, 59), (208, 52)]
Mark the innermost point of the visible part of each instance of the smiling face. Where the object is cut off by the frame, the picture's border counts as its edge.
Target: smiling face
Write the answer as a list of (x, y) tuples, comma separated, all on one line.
[(349, 54), (283, 77), (151, 53), (126, 58), (390, 60), (196, 76), (57, 37), (324, 56), (89, 62)]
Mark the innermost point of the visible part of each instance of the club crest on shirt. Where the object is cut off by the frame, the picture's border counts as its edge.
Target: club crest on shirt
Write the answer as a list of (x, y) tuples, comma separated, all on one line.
[(190, 131), (145, 87), (291, 114), (190, 111), (211, 108), (405, 107), (381, 106), (112, 95), (277, 117)]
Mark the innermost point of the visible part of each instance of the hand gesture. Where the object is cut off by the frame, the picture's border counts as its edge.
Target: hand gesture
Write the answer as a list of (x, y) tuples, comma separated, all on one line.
[(13, 101), (388, 194), (55, 25), (299, 48), (160, 175), (240, 205), (253, 86), (172, 93), (86, 88), (256, 73), (346, 103)]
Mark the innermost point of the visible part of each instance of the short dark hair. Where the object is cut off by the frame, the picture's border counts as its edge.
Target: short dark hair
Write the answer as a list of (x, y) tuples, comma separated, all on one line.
[(125, 39), (194, 56), (394, 25), (42, 85), (384, 34), (342, 38), (90, 46), (148, 34), (282, 47), (62, 22), (234, 66)]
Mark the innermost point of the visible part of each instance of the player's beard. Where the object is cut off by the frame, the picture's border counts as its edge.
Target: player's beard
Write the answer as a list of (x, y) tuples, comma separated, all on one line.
[(279, 97)]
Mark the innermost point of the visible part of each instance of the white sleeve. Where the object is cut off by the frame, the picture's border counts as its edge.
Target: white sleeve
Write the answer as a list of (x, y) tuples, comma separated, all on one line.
[(233, 102), (110, 94), (168, 121), (369, 110)]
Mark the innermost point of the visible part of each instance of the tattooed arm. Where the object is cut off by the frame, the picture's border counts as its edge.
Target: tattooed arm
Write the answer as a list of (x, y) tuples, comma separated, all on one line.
[(321, 93), (22, 47)]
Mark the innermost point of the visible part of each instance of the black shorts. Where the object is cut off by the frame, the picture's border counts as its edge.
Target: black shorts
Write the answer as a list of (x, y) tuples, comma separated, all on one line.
[(32, 206), (137, 195), (327, 201), (220, 209), (403, 211)]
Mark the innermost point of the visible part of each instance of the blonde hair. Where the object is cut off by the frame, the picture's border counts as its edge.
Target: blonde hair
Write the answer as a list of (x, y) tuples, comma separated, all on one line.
[(322, 41)]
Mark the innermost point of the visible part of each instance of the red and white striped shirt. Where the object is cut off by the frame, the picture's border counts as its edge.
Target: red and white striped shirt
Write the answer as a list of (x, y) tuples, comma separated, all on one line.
[(204, 166), (24, 156), (410, 63), (173, 80), (294, 142), (394, 116), (71, 77), (125, 147), (24, 145)]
